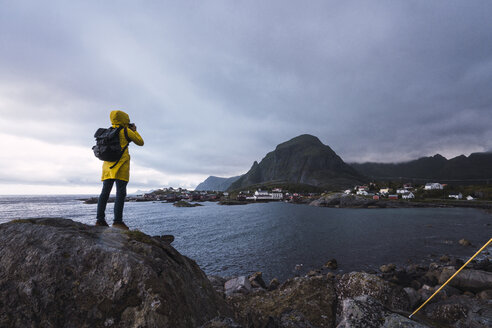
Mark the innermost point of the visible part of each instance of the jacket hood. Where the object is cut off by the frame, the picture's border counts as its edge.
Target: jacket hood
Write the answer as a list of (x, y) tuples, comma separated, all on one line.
[(119, 117)]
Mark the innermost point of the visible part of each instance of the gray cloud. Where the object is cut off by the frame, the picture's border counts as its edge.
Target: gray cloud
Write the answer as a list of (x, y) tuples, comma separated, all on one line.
[(213, 86)]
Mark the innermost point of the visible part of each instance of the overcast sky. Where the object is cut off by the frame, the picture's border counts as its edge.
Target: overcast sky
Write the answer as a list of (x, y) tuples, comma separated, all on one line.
[(215, 85)]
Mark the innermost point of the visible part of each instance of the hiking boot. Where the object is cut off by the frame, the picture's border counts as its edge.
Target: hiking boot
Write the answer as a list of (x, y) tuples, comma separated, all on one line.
[(120, 225), (101, 223)]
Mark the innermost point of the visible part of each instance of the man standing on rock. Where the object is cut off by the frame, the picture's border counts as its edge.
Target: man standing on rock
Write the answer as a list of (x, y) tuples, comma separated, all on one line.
[(118, 171)]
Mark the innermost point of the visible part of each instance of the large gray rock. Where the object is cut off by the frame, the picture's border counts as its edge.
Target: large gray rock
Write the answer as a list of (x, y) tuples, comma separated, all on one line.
[(413, 296), (237, 285), (327, 200), (60, 273), (342, 200), (468, 280), (365, 311), (299, 302), (459, 311), (355, 284), (361, 311)]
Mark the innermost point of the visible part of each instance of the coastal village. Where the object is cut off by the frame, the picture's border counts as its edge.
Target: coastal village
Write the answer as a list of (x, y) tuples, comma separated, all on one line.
[(407, 191), (372, 191)]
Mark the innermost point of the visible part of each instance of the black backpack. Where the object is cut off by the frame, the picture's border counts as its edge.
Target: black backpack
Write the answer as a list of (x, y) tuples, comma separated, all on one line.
[(108, 147)]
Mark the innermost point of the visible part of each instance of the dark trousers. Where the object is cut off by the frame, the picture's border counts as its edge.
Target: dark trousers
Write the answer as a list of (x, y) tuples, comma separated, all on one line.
[(119, 202)]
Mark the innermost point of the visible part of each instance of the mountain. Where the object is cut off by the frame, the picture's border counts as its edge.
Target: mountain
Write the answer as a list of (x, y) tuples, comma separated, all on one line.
[(216, 183), (477, 166), (301, 160)]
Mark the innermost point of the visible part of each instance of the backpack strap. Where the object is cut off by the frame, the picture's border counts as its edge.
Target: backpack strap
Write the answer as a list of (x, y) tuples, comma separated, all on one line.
[(126, 136), (124, 148)]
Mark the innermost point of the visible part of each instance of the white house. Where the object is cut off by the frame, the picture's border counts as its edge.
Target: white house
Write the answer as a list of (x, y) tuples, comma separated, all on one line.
[(409, 195), (362, 192), (262, 195), (469, 197), (384, 191), (401, 191), (433, 186), (277, 195), (456, 196), (347, 192)]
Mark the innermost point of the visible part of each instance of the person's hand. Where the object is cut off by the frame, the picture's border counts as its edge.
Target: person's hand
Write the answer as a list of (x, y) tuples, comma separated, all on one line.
[(133, 127)]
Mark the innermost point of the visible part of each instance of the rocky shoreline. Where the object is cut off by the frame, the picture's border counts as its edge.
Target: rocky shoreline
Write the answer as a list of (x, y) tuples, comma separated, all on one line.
[(61, 273), (361, 299), (341, 200)]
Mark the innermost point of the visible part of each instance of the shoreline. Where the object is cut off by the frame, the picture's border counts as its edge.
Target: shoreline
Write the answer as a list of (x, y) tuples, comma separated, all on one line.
[(361, 203), (400, 289)]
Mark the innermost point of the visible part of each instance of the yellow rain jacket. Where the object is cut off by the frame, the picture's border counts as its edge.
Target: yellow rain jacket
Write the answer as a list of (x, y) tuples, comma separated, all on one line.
[(122, 170)]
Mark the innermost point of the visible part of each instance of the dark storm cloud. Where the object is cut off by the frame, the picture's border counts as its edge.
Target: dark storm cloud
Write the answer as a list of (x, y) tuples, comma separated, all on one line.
[(215, 85)]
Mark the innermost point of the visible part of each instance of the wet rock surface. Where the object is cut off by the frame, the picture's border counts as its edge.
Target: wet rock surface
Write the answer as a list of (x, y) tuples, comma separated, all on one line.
[(60, 273)]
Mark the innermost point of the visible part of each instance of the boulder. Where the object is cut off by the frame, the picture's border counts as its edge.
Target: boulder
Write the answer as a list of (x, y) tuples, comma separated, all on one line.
[(355, 284), (486, 294), (365, 311), (274, 283), (355, 201), (387, 268), (313, 273), (447, 313), (467, 280), (361, 311), (343, 200), (460, 311), (413, 296), (327, 200), (393, 320), (237, 285), (331, 264), (464, 242), (444, 258), (299, 302), (256, 280), (60, 273)]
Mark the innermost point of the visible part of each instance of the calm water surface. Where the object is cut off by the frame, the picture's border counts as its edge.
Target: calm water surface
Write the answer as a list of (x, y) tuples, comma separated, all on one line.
[(274, 237)]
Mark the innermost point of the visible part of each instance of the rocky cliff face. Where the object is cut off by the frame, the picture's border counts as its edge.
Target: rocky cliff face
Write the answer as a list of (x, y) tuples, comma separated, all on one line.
[(303, 160), (59, 273)]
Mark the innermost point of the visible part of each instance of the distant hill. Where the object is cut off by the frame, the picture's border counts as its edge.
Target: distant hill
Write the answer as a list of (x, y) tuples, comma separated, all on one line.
[(216, 183), (301, 160), (477, 166)]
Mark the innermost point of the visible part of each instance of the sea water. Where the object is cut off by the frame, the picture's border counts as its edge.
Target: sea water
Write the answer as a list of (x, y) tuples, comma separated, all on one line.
[(275, 237)]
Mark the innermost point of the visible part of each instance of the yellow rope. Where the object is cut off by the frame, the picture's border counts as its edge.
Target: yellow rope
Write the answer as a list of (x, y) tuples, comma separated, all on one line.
[(464, 265)]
